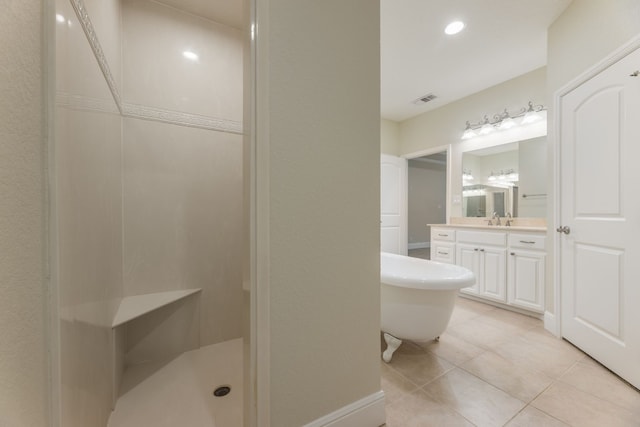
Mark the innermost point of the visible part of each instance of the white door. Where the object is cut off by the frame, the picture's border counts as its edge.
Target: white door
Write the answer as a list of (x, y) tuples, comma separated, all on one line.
[(600, 208), (393, 204)]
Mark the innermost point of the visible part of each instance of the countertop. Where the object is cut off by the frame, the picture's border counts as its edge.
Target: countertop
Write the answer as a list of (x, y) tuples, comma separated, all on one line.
[(492, 227)]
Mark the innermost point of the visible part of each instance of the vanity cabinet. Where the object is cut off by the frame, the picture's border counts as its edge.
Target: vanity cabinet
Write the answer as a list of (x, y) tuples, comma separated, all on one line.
[(443, 247), (509, 265), (526, 270), (484, 253)]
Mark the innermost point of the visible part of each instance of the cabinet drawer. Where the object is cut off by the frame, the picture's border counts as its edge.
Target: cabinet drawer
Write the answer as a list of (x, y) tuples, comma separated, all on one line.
[(527, 241), (443, 252), (443, 234), (483, 238)]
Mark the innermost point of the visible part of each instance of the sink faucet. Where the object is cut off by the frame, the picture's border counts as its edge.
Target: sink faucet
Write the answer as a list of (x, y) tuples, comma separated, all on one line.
[(509, 219), (496, 217)]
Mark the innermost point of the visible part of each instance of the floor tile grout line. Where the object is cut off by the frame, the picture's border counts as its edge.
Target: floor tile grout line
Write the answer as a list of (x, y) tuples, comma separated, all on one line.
[(564, 383), (453, 408)]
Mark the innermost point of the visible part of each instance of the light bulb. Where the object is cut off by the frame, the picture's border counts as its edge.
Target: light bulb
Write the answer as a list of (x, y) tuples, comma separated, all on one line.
[(507, 123), (454, 28), (190, 55)]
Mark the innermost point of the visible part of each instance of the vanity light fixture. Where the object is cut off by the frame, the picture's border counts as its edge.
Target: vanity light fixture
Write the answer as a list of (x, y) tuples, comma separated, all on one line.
[(466, 175), (503, 121), (506, 122), (468, 132), (487, 127), (531, 115)]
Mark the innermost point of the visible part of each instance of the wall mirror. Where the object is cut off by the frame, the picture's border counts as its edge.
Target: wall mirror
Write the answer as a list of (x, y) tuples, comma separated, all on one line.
[(507, 178)]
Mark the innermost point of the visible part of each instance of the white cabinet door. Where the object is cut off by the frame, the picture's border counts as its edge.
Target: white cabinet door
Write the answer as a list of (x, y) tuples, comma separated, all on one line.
[(493, 270), (443, 252), (599, 173), (526, 279), (393, 204), (468, 256)]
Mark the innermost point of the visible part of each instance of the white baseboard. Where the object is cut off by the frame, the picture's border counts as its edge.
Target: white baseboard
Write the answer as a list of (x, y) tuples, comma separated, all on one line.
[(366, 412), (550, 323), (419, 245)]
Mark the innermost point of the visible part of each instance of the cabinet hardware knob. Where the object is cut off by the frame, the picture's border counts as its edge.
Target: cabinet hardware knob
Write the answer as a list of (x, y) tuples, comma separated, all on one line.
[(475, 249), (513, 253), (481, 250), (563, 229)]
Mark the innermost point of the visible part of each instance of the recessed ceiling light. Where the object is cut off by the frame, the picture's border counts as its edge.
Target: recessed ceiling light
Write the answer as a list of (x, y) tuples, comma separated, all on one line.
[(190, 55), (454, 27)]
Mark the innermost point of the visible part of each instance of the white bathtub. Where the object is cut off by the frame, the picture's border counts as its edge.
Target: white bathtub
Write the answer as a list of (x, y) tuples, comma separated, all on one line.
[(417, 298)]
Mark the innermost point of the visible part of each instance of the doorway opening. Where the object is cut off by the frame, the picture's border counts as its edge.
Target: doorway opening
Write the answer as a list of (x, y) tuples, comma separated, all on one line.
[(427, 185)]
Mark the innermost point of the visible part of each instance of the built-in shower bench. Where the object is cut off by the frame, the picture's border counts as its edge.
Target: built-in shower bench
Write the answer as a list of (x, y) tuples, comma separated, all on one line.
[(155, 322), (135, 306)]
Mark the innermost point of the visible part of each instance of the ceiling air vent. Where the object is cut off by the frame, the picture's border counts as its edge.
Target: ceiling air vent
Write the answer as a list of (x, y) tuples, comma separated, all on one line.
[(424, 99)]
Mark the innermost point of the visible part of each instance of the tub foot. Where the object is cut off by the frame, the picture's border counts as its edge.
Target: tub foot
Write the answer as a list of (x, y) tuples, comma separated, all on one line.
[(437, 338), (392, 345)]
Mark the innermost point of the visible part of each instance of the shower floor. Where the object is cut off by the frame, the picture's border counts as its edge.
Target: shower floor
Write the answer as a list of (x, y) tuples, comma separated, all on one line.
[(179, 392)]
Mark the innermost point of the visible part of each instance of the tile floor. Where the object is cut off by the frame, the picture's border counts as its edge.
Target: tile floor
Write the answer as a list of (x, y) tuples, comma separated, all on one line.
[(424, 253), (493, 367)]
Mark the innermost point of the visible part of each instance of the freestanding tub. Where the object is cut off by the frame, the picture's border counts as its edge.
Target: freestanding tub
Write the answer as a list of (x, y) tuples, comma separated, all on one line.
[(417, 298)]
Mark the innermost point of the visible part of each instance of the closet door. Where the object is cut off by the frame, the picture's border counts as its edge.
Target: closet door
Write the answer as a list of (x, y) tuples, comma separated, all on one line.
[(393, 204), (600, 217)]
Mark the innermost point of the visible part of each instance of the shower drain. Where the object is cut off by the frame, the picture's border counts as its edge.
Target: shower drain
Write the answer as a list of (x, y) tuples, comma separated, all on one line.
[(222, 391)]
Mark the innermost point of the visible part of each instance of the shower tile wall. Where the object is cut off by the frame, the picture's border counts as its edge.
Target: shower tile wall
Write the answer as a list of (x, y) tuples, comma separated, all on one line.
[(183, 185), (106, 17), (156, 74), (88, 189), (182, 218), (143, 206)]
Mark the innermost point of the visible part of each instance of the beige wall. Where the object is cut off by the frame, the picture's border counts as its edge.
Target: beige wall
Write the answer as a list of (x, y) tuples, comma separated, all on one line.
[(324, 202), (23, 363), (445, 125), (584, 34), (389, 137)]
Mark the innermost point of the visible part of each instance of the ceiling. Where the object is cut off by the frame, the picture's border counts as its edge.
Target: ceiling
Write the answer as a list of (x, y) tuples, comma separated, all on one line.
[(502, 40)]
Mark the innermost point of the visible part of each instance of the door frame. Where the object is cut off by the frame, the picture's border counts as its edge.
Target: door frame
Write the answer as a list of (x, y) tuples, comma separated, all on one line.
[(428, 152), (552, 321)]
